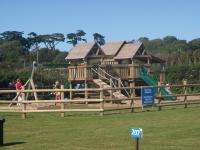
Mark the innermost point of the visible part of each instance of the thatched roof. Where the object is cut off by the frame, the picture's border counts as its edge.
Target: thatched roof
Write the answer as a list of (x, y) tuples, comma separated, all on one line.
[(80, 51), (111, 48), (128, 51)]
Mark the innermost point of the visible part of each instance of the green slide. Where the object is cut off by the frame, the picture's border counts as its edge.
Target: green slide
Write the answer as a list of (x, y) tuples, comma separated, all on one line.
[(152, 82)]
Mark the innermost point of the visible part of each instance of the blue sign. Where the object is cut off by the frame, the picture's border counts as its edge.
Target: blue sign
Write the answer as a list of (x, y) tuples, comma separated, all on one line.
[(147, 95), (136, 133)]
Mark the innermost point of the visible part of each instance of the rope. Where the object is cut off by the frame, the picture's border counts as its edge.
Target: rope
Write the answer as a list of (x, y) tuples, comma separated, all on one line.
[(99, 74), (104, 77), (124, 89), (108, 74), (113, 84), (111, 77), (115, 79)]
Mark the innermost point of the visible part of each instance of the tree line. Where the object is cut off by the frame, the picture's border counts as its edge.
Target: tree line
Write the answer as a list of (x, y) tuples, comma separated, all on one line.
[(173, 50), (15, 47), (18, 51)]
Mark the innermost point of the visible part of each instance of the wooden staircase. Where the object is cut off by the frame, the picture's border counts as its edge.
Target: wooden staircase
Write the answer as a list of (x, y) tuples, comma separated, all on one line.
[(116, 94)]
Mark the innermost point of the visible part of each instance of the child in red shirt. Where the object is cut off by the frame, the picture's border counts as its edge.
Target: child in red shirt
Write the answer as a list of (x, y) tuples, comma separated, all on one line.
[(18, 86)]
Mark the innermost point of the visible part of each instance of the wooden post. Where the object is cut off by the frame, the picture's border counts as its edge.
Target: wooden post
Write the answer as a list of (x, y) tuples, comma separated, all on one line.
[(159, 99), (85, 71), (132, 93), (111, 91), (185, 92), (70, 92), (148, 65), (62, 114), (119, 85), (23, 105), (137, 144), (33, 87), (131, 68), (86, 92), (162, 75), (132, 104), (101, 103)]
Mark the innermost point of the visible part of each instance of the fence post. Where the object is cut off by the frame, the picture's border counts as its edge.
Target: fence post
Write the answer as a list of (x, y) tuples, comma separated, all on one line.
[(132, 89), (119, 86), (159, 99), (70, 92), (185, 92), (62, 114), (111, 91), (86, 92), (102, 102), (23, 105), (132, 104)]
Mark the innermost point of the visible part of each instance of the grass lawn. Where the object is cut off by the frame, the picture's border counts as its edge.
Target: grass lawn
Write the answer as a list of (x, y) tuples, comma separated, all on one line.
[(177, 129)]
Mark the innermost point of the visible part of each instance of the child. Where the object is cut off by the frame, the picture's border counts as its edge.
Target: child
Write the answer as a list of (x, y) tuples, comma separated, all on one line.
[(57, 94), (18, 87)]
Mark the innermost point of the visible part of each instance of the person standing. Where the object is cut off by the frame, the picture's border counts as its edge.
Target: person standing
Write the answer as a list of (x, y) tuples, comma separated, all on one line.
[(57, 94), (18, 86)]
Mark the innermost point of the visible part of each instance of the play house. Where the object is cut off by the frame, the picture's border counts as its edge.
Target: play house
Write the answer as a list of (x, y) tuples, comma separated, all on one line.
[(116, 64)]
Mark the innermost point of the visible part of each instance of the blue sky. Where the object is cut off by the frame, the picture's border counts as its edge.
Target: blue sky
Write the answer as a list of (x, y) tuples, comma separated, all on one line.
[(115, 19)]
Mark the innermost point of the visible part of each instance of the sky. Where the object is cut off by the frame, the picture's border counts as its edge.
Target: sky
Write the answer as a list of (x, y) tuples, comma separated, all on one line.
[(115, 19)]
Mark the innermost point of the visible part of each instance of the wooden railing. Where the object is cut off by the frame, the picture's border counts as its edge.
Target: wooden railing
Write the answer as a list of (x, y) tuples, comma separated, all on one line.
[(109, 62), (183, 98), (84, 72), (79, 72)]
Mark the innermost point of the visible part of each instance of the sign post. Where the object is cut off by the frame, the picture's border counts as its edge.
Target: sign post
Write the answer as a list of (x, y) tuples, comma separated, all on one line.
[(137, 134), (147, 97)]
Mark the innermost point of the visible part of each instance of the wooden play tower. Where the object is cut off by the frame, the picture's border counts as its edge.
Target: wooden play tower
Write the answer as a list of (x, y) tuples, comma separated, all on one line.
[(114, 64)]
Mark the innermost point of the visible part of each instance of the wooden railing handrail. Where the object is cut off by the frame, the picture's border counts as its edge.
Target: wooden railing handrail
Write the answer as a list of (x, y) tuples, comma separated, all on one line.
[(95, 89), (101, 100), (104, 65)]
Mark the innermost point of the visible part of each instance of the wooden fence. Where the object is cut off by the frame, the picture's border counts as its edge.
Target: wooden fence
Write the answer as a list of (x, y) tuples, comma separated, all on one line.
[(183, 98)]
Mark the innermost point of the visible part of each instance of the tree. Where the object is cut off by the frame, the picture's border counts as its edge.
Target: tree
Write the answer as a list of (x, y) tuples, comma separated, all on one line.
[(143, 39), (11, 51), (194, 44), (34, 40), (60, 58), (15, 35), (47, 56), (99, 39), (169, 39), (51, 40), (74, 38), (11, 35)]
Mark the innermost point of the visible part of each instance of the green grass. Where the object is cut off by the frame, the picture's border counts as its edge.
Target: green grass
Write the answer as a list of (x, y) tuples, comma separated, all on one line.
[(177, 129)]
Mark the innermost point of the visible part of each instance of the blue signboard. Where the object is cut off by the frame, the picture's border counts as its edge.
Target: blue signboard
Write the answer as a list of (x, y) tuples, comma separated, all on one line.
[(148, 96), (136, 133)]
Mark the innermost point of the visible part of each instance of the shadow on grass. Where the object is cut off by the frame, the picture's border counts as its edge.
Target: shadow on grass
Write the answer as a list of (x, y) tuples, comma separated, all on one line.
[(12, 143)]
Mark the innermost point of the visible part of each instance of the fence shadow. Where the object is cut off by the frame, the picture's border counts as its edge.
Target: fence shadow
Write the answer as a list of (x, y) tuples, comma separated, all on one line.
[(12, 143)]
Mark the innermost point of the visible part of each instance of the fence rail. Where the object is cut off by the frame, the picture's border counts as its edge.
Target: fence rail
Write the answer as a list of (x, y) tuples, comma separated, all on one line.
[(100, 103)]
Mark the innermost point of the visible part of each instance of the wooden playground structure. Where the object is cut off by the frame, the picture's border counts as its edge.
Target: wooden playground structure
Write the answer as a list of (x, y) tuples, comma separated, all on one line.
[(116, 64), (103, 79)]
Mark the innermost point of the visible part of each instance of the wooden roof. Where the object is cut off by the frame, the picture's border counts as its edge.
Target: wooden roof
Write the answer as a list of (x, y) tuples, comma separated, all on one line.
[(117, 50), (80, 51), (128, 51), (111, 48)]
